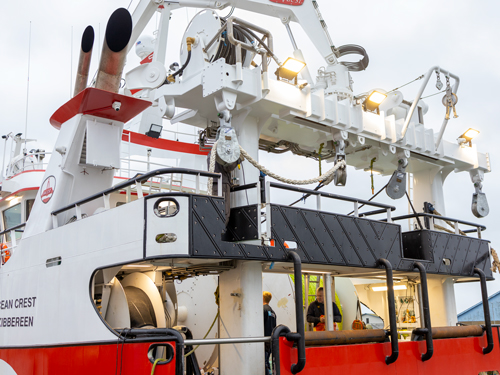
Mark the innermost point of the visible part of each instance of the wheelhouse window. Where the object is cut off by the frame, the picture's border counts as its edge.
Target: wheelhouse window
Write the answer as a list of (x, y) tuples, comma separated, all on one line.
[(29, 206), (11, 218)]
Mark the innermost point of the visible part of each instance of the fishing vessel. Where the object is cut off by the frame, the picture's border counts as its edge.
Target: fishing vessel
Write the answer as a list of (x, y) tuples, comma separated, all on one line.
[(114, 262)]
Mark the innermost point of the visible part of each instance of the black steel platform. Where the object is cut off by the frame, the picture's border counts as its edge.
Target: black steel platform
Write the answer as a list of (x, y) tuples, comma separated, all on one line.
[(330, 239)]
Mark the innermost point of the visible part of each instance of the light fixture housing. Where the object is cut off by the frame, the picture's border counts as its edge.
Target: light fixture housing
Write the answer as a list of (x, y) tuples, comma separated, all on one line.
[(290, 69), (384, 288), (468, 136), (373, 101), (154, 131)]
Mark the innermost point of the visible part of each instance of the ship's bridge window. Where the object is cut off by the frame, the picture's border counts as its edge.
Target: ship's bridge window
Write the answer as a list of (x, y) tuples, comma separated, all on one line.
[(11, 218), (29, 206)]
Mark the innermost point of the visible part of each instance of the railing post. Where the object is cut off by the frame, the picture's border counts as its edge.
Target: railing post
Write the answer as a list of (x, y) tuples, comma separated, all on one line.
[(219, 187), (179, 351), (78, 210), (138, 187), (356, 209), (392, 311), (486, 310), (268, 210), (54, 221), (197, 184), (278, 332), (299, 313), (106, 197), (13, 238), (426, 312)]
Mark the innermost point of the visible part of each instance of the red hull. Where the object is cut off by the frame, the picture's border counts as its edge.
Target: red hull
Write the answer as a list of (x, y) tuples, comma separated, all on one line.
[(85, 360), (451, 356)]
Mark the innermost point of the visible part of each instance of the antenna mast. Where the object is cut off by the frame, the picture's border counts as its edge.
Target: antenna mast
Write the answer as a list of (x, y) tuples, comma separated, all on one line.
[(27, 93)]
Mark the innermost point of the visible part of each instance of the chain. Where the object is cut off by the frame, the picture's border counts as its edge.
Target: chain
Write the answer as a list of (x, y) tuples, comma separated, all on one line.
[(447, 82)]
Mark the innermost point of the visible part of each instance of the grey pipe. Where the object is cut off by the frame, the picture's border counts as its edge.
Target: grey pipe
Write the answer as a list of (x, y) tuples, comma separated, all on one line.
[(236, 340), (82, 73), (114, 51)]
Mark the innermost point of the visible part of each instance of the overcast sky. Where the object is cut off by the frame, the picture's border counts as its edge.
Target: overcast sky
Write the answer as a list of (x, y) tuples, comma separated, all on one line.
[(403, 39)]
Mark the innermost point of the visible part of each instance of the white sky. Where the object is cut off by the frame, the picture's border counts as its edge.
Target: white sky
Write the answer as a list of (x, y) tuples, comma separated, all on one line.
[(403, 39)]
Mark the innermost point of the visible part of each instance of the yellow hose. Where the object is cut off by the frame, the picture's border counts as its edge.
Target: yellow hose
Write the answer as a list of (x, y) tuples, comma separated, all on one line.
[(156, 362)]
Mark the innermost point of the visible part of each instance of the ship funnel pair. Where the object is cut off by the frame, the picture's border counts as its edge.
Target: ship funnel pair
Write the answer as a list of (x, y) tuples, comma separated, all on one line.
[(114, 51)]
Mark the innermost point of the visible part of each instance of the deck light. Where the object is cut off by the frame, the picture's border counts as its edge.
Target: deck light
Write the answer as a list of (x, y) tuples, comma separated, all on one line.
[(467, 137), (373, 101), (384, 288), (290, 69)]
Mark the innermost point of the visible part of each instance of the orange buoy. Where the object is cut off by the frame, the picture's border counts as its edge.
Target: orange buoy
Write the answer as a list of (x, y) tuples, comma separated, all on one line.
[(5, 253)]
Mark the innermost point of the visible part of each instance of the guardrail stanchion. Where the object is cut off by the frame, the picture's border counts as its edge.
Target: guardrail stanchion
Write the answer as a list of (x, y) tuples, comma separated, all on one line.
[(426, 312), (392, 311), (486, 310)]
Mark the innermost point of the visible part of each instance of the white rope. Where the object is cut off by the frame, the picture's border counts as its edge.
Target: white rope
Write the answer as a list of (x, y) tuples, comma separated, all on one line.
[(324, 177), (211, 168)]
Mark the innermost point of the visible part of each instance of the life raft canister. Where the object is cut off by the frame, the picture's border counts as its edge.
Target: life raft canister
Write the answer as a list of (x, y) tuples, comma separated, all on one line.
[(5, 253)]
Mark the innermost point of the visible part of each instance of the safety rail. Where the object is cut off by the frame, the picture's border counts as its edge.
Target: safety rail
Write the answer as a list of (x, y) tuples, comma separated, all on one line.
[(319, 194), (27, 164), (479, 228), (383, 208), (138, 181)]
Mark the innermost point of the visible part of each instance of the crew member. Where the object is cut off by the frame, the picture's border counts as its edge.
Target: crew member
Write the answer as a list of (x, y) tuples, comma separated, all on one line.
[(269, 325), (316, 311)]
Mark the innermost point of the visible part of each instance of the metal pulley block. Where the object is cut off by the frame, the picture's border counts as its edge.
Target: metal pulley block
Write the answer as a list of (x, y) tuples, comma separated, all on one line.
[(228, 148), (396, 188), (480, 206), (340, 175)]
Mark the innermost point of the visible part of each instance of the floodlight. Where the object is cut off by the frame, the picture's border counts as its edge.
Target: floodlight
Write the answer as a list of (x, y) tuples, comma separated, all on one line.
[(373, 101), (384, 288), (293, 65), (468, 136), (290, 69)]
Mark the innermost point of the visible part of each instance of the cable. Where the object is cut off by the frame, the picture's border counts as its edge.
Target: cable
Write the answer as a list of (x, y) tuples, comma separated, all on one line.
[(406, 84), (204, 337), (414, 211), (428, 96), (244, 183), (181, 70), (229, 14), (369, 200), (305, 196)]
